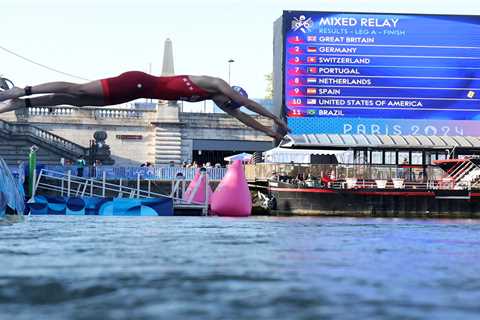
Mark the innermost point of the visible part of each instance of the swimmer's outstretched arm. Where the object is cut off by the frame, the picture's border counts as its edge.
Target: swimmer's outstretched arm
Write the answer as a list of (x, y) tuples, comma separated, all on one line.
[(225, 89), (252, 123)]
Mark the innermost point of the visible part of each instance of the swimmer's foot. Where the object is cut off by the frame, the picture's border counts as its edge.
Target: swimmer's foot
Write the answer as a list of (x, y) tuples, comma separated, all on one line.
[(12, 93)]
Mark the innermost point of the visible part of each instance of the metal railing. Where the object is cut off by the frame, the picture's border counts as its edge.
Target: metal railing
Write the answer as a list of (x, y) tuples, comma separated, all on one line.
[(63, 111), (132, 173), (264, 171), (125, 112), (461, 170), (394, 183), (69, 185), (257, 172), (118, 113)]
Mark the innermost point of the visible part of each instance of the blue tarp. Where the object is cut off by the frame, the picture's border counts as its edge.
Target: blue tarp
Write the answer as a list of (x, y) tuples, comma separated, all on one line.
[(11, 190)]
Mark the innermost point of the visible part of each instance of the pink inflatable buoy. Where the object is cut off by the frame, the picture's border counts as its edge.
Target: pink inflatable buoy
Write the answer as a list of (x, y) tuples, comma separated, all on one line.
[(232, 197), (199, 196)]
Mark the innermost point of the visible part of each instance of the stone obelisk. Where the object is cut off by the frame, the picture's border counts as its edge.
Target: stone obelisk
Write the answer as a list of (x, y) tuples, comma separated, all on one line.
[(168, 111), (168, 131), (168, 66)]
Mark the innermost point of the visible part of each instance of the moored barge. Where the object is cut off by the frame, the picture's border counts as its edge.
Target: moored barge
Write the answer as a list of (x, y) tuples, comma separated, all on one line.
[(433, 177)]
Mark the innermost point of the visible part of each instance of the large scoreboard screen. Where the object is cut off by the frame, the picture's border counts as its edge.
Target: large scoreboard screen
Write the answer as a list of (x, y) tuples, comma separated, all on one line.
[(369, 73)]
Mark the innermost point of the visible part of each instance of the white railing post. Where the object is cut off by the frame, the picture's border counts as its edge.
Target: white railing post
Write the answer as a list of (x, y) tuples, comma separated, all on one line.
[(205, 208), (35, 182), (197, 186), (120, 193), (104, 178), (177, 189), (84, 187), (184, 186), (179, 181), (149, 188), (138, 185), (69, 181), (62, 186), (91, 187)]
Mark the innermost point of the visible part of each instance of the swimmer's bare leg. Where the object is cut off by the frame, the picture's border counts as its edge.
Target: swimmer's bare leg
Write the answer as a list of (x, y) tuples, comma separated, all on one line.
[(93, 88), (8, 105), (52, 100)]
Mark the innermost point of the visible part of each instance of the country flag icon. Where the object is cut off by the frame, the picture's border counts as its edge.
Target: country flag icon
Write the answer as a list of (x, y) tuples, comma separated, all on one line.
[(471, 94), (311, 49), (311, 80), (311, 38), (312, 70), (311, 101), (311, 91), (311, 112), (311, 59)]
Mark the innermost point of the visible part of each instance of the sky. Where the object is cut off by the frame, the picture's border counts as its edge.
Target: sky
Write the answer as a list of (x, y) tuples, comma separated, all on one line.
[(94, 39)]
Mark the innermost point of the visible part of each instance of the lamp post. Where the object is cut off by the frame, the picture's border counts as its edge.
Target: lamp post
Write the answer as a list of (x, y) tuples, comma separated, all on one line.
[(230, 69)]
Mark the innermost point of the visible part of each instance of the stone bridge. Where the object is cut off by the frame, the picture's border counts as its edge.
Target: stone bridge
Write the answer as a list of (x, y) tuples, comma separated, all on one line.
[(158, 135)]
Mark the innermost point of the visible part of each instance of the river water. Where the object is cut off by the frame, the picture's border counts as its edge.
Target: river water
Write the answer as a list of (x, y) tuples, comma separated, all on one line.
[(62, 267)]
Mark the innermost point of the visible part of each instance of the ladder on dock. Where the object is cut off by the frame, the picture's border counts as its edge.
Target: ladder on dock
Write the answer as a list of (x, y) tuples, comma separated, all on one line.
[(465, 174), (68, 185)]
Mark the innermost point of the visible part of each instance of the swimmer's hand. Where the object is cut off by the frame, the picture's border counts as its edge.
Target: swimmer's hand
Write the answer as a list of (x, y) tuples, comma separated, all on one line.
[(276, 135), (282, 126)]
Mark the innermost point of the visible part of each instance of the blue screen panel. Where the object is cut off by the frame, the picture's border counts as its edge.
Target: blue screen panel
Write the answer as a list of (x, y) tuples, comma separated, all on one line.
[(382, 73)]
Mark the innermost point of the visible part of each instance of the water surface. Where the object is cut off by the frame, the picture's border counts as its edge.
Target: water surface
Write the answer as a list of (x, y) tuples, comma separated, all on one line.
[(61, 267)]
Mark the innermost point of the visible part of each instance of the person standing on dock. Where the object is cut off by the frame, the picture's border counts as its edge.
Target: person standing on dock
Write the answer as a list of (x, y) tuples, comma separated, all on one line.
[(80, 166)]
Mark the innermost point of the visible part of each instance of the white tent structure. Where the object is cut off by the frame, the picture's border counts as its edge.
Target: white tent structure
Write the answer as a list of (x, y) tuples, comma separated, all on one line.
[(241, 156), (286, 155)]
